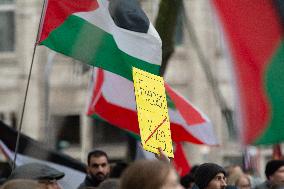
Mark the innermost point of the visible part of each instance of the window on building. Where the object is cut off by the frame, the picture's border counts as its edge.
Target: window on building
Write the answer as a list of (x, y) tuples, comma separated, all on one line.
[(69, 131), (7, 25), (9, 118), (2, 116), (113, 140), (108, 134), (13, 120), (6, 1)]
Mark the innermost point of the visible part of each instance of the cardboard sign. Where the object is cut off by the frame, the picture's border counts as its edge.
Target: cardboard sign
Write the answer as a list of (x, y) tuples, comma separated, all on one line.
[(152, 112)]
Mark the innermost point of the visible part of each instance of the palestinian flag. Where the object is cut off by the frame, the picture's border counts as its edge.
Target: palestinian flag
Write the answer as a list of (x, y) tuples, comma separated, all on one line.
[(255, 35), (114, 35), (113, 100)]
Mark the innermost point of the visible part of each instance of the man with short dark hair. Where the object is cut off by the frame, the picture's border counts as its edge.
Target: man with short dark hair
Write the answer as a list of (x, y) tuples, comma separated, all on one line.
[(98, 169), (274, 172), (210, 176)]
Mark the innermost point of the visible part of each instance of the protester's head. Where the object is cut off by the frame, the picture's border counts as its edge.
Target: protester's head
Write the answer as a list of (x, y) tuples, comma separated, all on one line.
[(43, 174), (96, 154), (98, 165), (243, 182), (109, 184), (210, 176), (193, 169), (146, 174), (274, 172), (22, 184), (233, 173)]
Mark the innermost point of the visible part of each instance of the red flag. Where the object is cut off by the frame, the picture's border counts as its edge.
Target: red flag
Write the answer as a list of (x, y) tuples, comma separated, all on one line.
[(180, 161), (255, 37)]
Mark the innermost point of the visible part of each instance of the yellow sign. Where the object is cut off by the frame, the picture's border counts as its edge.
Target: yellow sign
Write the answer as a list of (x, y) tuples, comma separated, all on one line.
[(152, 112)]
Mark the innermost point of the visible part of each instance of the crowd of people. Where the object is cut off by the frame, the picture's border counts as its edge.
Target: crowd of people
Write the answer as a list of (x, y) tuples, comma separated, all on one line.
[(145, 174)]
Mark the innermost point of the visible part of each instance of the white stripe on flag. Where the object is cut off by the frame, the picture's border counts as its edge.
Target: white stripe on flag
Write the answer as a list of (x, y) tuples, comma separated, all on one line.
[(147, 46)]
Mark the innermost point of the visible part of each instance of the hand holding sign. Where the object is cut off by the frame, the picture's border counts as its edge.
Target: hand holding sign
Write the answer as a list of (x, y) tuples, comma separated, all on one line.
[(162, 156), (152, 112)]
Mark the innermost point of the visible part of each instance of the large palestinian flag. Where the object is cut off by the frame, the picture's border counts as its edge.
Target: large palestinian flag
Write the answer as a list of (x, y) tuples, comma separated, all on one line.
[(113, 100), (114, 35), (255, 34)]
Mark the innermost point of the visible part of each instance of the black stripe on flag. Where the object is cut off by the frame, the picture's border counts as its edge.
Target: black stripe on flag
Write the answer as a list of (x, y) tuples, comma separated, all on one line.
[(128, 14), (279, 5), (30, 147)]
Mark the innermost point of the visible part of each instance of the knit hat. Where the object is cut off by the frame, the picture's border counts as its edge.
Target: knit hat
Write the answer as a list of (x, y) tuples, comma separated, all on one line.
[(272, 166), (36, 171), (206, 172)]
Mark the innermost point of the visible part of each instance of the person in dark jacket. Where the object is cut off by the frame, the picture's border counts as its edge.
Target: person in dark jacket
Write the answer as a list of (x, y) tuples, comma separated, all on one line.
[(98, 169)]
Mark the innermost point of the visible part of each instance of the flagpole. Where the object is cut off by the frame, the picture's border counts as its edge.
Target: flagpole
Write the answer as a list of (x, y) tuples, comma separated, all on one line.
[(27, 89), (226, 112)]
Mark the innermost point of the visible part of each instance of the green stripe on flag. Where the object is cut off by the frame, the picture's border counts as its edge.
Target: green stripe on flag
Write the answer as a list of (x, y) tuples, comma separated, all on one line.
[(83, 41), (95, 116), (275, 90), (133, 135), (170, 102)]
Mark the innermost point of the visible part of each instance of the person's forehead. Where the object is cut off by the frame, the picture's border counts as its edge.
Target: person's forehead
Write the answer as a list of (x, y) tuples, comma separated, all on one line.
[(243, 179), (98, 160), (281, 168)]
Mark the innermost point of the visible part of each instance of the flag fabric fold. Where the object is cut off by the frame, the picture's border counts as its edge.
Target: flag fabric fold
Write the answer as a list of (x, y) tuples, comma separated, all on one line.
[(113, 100), (254, 31), (113, 35)]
